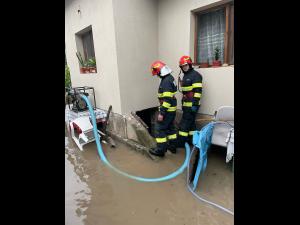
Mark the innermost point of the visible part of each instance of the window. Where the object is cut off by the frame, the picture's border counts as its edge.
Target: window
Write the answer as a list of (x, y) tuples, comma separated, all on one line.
[(215, 29), (85, 51), (88, 45)]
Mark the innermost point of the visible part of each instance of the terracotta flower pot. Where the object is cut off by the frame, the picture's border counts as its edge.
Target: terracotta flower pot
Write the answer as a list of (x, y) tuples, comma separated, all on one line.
[(93, 70), (217, 63), (84, 70), (204, 65)]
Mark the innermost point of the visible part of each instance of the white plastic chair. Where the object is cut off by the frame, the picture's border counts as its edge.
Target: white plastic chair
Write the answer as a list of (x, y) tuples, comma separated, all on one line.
[(224, 114), (223, 133)]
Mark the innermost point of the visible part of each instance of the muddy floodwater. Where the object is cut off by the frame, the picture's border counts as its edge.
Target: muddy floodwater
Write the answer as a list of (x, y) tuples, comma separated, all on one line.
[(94, 194)]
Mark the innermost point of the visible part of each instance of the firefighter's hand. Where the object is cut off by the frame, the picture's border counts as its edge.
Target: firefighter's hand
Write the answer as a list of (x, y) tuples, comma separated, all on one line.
[(160, 117), (195, 108)]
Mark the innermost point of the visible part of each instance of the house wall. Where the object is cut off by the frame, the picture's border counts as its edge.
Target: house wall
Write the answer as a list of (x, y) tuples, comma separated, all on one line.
[(128, 36), (136, 25), (218, 88), (99, 14), (176, 24)]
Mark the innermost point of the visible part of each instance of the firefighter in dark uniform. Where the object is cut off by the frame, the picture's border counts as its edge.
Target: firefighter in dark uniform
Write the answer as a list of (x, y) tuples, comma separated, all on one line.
[(191, 85), (166, 137)]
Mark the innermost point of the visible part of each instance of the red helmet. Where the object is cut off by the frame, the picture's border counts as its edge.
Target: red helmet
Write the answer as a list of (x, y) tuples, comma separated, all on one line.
[(185, 60), (156, 67)]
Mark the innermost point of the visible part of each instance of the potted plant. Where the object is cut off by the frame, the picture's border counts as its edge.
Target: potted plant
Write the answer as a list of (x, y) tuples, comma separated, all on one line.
[(92, 65), (83, 65), (204, 64), (217, 62), (86, 67)]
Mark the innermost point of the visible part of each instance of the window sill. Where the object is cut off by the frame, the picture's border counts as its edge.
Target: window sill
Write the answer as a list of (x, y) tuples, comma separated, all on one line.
[(213, 67), (89, 73), (91, 70)]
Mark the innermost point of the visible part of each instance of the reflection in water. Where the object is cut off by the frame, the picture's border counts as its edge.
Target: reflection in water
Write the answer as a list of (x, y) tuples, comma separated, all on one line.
[(78, 193)]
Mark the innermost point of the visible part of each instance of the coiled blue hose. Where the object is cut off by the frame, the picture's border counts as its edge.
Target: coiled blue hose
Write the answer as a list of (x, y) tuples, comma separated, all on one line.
[(142, 179)]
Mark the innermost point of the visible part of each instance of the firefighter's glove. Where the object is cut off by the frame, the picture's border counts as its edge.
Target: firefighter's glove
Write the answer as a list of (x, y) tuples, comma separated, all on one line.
[(195, 108)]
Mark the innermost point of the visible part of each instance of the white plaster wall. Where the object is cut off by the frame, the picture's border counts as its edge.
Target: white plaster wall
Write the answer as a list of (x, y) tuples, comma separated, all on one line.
[(99, 14), (136, 24), (218, 88)]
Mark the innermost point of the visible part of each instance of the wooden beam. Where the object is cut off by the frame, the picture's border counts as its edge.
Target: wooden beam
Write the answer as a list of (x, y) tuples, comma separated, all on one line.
[(231, 35), (226, 39), (196, 40)]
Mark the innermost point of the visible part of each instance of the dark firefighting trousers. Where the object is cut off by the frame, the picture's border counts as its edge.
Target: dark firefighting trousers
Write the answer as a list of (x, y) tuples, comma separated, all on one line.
[(187, 127), (166, 133)]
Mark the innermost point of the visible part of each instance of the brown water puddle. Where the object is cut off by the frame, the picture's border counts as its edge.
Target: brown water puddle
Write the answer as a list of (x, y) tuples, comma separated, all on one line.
[(94, 194)]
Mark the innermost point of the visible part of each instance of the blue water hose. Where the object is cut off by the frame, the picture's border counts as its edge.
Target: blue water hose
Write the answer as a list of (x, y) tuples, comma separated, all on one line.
[(199, 197), (142, 179)]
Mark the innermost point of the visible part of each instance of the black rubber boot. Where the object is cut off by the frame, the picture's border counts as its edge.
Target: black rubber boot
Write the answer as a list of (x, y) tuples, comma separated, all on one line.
[(190, 140), (172, 146), (194, 167), (156, 152), (180, 142), (172, 149)]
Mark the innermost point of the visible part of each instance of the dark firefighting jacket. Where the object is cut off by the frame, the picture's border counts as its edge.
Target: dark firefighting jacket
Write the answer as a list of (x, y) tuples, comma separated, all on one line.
[(191, 89), (166, 94)]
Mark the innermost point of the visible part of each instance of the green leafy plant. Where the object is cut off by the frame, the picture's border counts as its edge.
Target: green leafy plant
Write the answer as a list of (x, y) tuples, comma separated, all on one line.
[(82, 63), (67, 77), (92, 62), (217, 53), (85, 64)]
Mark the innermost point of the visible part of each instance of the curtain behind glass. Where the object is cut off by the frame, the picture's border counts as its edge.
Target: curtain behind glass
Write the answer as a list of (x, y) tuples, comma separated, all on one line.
[(211, 29), (88, 45)]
